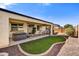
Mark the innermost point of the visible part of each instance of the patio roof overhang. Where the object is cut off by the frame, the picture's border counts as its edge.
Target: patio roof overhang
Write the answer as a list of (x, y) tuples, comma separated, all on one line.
[(24, 15)]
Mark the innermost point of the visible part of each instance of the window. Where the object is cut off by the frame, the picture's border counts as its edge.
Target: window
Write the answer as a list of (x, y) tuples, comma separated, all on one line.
[(20, 25), (15, 27), (38, 27)]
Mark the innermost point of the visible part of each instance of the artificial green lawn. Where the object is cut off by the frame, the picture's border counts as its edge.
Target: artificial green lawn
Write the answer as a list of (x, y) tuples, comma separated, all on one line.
[(41, 45)]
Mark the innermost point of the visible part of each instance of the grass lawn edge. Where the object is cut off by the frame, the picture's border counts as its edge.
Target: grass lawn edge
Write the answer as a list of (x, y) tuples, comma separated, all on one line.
[(41, 54), (55, 39)]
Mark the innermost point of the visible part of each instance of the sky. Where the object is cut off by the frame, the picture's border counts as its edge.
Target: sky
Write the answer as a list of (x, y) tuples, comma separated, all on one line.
[(58, 13)]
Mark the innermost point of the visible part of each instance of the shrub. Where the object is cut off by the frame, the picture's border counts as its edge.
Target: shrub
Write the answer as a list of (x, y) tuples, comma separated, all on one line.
[(33, 30), (69, 31), (68, 26)]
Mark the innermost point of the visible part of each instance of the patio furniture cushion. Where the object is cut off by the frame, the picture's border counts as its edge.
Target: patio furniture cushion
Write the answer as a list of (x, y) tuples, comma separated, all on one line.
[(19, 36)]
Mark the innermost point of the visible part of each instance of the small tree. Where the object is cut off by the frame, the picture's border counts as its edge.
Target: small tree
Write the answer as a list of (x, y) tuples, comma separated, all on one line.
[(68, 26), (69, 31), (33, 30)]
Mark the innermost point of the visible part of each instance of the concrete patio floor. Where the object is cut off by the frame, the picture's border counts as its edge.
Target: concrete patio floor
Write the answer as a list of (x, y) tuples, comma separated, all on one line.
[(70, 48), (26, 40)]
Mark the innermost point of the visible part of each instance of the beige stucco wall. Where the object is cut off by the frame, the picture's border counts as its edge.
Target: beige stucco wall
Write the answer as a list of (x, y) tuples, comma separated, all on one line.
[(4, 31), (42, 28), (29, 29)]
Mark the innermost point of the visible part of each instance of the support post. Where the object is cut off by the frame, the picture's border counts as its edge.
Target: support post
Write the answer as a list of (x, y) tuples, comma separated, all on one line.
[(51, 30), (36, 28)]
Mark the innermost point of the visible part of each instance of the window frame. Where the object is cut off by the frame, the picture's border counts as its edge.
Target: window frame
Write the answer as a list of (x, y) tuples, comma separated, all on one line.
[(17, 26)]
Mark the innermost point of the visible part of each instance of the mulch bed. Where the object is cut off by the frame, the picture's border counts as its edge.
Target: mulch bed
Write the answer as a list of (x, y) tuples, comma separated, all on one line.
[(54, 51), (13, 51)]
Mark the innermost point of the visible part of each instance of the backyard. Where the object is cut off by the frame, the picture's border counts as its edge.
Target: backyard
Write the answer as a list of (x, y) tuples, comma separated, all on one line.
[(41, 45)]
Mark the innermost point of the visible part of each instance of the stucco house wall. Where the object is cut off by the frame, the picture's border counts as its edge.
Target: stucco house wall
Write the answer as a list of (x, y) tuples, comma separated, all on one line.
[(4, 30)]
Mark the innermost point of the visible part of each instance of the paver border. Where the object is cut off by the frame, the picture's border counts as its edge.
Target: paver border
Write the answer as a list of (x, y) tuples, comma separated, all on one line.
[(41, 54)]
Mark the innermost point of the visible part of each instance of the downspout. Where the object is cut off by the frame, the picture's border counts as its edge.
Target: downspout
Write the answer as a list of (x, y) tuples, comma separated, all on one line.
[(78, 30)]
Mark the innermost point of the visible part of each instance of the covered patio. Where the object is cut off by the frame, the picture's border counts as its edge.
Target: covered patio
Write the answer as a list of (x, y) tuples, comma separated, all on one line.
[(24, 31)]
